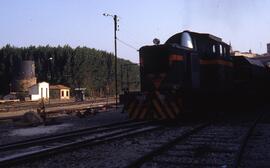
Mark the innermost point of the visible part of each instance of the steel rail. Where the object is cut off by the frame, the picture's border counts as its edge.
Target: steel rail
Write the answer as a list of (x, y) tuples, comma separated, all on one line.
[(245, 139), (148, 156), (75, 133), (31, 155)]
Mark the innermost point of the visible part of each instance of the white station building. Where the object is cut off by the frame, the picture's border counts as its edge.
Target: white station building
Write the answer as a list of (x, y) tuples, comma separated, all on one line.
[(39, 90)]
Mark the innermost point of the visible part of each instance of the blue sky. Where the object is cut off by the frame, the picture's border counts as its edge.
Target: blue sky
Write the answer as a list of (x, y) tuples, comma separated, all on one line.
[(244, 23)]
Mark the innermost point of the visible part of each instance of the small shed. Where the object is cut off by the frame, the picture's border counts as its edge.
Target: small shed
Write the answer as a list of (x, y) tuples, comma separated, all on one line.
[(80, 94), (59, 92), (39, 90)]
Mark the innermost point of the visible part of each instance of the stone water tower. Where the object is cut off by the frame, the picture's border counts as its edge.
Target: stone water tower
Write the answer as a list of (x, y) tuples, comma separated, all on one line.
[(26, 77)]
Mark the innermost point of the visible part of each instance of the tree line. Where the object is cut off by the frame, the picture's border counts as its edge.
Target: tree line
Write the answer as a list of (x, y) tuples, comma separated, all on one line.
[(75, 67)]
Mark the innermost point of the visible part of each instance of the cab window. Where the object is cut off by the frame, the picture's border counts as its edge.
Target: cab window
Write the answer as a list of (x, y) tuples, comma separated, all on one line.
[(221, 50), (214, 49)]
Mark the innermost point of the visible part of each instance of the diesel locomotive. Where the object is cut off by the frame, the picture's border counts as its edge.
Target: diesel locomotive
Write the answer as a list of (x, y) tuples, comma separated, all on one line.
[(191, 72)]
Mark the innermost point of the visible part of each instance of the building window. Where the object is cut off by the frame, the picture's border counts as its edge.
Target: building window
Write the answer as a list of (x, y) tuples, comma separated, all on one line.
[(62, 92), (67, 93)]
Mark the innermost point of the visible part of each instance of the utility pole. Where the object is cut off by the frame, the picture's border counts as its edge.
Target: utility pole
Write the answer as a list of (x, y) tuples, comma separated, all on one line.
[(50, 66), (115, 18), (115, 53), (51, 76), (121, 72)]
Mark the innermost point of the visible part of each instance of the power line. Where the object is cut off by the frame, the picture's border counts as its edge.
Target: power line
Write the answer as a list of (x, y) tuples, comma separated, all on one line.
[(128, 45)]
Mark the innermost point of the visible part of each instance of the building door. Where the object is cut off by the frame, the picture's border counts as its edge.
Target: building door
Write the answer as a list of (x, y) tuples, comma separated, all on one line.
[(46, 92), (41, 92)]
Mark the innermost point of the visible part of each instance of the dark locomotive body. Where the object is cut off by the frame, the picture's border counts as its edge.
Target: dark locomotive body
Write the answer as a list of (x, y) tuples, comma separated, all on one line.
[(189, 72)]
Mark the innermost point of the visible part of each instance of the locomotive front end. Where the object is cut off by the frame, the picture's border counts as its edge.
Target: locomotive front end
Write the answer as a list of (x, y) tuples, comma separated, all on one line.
[(162, 82)]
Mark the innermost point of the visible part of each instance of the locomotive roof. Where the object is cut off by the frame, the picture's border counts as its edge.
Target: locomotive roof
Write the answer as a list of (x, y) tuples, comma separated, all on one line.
[(218, 39), (246, 60), (255, 62), (197, 35)]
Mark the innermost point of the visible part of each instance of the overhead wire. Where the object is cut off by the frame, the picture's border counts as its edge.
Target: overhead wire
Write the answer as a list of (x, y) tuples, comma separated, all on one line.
[(123, 42), (128, 45)]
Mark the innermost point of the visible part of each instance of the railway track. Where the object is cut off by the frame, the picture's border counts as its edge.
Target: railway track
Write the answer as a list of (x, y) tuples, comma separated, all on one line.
[(27, 105), (207, 145), (28, 150), (54, 109)]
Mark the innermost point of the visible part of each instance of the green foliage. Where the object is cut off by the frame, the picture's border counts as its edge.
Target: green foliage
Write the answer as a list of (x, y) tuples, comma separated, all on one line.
[(79, 67)]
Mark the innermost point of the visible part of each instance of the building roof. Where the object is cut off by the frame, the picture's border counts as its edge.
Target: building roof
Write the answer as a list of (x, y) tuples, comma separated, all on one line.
[(37, 84), (245, 54), (59, 87), (42, 82)]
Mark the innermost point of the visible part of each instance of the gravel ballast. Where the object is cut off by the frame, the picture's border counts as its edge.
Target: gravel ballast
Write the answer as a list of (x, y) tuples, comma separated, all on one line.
[(114, 154), (121, 152)]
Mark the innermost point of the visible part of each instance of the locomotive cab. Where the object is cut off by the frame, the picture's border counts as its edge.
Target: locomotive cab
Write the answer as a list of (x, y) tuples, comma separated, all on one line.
[(166, 67)]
